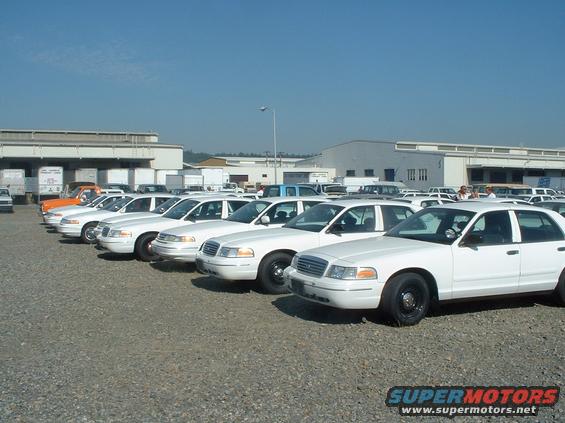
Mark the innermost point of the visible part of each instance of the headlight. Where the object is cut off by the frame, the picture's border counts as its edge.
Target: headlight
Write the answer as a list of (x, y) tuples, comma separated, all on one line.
[(117, 233), (175, 238), (340, 272), (69, 222), (294, 262), (236, 252)]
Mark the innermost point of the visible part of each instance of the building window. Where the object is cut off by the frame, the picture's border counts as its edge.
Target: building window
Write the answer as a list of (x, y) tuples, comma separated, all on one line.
[(369, 172), (389, 175), (411, 174), (264, 175), (477, 175), (518, 176), (350, 172), (422, 174)]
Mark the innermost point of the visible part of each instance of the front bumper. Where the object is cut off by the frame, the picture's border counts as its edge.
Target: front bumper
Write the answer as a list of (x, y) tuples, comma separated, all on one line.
[(117, 245), (233, 269), (73, 231), (177, 251), (98, 232), (7, 207), (347, 294)]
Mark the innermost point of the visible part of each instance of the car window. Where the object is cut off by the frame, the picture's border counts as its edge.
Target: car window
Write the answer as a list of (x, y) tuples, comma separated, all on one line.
[(315, 218), (249, 212), (306, 191), (537, 227), (272, 192), (282, 212), (290, 191), (139, 205), (429, 203), (357, 219), (235, 205), (108, 201), (308, 204), (493, 228), (207, 211), (393, 215), (160, 200)]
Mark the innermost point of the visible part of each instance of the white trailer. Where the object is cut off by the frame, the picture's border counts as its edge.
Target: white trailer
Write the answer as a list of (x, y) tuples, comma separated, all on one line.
[(353, 183), (14, 179), (49, 180), (213, 179), (161, 175), (113, 176), (141, 175)]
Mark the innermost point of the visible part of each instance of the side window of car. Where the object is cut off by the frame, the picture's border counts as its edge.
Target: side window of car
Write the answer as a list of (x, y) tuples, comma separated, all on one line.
[(306, 191), (211, 210), (290, 191), (429, 203), (234, 205), (493, 228), (393, 215), (538, 227), (561, 210), (272, 192), (139, 205), (358, 219), (160, 200), (308, 204), (282, 212)]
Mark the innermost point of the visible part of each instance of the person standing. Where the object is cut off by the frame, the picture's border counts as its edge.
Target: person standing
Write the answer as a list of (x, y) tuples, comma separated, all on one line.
[(462, 194), (490, 192)]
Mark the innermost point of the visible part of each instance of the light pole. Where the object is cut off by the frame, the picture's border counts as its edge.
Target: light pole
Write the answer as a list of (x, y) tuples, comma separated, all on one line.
[(264, 109)]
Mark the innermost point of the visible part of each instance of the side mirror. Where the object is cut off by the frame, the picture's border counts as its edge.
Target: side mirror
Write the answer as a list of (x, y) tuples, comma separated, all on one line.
[(471, 240), (336, 228), (265, 220)]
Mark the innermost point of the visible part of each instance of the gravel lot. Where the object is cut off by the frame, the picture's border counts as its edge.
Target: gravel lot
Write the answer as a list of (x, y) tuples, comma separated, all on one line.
[(85, 336)]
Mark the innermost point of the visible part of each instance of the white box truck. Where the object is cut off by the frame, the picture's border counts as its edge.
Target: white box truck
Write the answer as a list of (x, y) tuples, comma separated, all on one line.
[(141, 175), (213, 179), (354, 183), (49, 180), (161, 175), (14, 179), (113, 176)]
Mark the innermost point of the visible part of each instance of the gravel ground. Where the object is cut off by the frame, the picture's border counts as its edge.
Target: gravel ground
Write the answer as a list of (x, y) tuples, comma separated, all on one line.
[(86, 336)]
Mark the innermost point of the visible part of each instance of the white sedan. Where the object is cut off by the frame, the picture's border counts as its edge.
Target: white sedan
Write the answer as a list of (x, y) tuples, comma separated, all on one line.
[(54, 216), (82, 225), (452, 252), (182, 243), (265, 254), (136, 236)]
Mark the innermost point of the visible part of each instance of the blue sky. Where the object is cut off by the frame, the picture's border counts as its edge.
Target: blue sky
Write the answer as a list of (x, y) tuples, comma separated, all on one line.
[(485, 72)]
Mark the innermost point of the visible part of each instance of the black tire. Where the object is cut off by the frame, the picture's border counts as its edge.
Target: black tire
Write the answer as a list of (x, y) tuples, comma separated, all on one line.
[(406, 299), (559, 292), (143, 248), (87, 234), (271, 270)]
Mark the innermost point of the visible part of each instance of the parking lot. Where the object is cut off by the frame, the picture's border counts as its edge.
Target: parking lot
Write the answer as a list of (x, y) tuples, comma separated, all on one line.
[(87, 336)]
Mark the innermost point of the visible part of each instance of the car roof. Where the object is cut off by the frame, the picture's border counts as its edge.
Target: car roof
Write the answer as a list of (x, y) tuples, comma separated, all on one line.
[(273, 200), (362, 202), (483, 206)]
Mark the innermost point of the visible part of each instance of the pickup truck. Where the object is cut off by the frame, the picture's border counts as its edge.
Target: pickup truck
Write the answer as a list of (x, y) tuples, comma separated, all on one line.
[(79, 194), (288, 191)]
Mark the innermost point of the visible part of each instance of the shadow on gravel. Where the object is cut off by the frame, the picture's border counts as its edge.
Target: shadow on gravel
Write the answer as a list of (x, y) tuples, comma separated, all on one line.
[(217, 285), (51, 230), (297, 307), (173, 267), (116, 257), (70, 241)]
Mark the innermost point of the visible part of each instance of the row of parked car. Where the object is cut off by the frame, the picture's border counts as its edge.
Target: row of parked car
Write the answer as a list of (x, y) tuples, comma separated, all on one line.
[(359, 253)]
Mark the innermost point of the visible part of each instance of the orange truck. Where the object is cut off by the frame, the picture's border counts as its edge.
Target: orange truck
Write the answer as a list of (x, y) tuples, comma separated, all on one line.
[(79, 194)]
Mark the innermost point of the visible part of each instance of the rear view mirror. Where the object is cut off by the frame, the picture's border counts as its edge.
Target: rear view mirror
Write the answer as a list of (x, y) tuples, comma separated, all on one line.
[(265, 220)]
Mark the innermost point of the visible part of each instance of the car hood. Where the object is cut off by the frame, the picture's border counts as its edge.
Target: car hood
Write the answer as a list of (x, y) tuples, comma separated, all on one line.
[(370, 248), (275, 235), (65, 208), (216, 228), (129, 216), (93, 215), (151, 223)]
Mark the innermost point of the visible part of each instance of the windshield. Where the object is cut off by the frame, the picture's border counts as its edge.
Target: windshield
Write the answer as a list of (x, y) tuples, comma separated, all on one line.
[(74, 192), (93, 202), (249, 212), (437, 225), (335, 188), (181, 209), (315, 218), (162, 208), (117, 205), (380, 189), (4, 192)]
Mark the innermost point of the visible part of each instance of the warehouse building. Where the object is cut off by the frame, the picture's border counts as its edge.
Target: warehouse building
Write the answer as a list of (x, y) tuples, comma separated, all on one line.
[(420, 165), (31, 149)]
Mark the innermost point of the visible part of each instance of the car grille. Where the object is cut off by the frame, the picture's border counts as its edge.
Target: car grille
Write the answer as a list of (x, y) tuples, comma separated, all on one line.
[(311, 265), (105, 231), (210, 248)]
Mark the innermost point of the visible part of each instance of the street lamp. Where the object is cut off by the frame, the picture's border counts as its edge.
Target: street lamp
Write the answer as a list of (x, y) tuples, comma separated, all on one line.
[(264, 109)]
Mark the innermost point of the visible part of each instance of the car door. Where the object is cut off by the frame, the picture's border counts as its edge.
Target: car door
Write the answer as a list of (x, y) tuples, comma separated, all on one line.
[(390, 216), (486, 261), (542, 249), (353, 223)]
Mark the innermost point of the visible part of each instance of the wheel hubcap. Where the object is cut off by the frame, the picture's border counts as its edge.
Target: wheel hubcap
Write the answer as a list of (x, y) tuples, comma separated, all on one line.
[(277, 270), (89, 234), (408, 301)]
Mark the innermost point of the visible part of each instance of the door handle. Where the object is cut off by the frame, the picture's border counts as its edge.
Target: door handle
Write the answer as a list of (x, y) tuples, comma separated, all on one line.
[(560, 248), (512, 252)]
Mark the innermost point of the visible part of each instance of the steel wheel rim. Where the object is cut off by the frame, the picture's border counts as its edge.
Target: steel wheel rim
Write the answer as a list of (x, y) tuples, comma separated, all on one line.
[(410, 301), (277, 270), (89, 234)]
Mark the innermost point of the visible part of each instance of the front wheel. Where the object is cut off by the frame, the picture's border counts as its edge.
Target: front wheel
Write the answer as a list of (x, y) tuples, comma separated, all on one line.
[(143, 248), (559, 292), (406, 299), (87, 233), (271, 273)]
